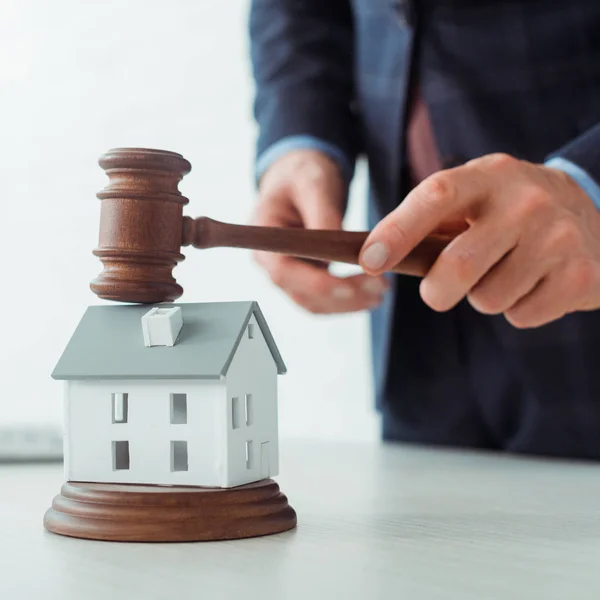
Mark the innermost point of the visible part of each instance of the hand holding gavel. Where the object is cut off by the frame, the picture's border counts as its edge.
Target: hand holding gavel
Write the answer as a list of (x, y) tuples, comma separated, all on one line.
[(142, 230)]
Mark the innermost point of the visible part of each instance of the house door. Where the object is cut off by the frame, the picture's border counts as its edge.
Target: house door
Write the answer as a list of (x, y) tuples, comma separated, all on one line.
[(265, 467)]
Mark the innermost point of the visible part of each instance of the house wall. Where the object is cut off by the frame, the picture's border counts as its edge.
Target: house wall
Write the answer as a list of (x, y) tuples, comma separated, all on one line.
[(90, 432), (252, 371)]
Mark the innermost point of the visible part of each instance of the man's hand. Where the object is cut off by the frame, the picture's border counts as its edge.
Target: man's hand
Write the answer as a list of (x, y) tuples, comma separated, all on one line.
[(305, 189), (531, 249)]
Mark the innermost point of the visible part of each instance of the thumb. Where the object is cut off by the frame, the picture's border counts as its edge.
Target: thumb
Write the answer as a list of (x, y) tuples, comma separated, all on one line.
[(319, 199), (322, 215)]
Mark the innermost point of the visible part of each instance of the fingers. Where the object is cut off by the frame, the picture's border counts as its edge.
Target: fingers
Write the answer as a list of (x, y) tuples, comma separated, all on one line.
[(466, 260), (435, 201), (509, 281), (561, 292), (533, 261), (359, 300), (317, 291)]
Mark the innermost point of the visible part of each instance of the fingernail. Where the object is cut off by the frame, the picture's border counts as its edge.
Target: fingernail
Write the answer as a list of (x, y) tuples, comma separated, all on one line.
[(342, 293), (375, 256), (374, 287)]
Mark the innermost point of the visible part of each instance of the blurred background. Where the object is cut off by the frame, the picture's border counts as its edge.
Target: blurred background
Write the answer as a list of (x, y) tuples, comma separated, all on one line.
[(78, 78)]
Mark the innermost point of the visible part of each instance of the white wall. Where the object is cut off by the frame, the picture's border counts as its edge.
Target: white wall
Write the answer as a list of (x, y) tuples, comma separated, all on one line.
[(78, 78)]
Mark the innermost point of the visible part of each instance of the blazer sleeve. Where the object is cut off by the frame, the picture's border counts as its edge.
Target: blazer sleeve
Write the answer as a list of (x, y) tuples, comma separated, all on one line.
[(302, 55)]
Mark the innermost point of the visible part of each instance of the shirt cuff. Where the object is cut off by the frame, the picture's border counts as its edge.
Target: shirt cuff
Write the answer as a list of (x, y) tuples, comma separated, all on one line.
[(581, 177), (303, 142)]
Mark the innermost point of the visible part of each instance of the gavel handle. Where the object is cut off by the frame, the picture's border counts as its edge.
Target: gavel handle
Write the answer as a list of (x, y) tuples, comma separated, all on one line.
[(327, 246)]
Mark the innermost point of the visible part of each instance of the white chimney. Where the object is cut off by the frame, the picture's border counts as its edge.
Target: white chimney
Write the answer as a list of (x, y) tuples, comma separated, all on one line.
[(161, 326)]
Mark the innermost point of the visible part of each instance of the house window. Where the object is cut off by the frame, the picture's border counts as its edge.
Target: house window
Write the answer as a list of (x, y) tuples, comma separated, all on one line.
[(235, 412), (249, 409), (249, 454), (120, 408), (179, 456), (120, 456), (178, 409), (250, 331)]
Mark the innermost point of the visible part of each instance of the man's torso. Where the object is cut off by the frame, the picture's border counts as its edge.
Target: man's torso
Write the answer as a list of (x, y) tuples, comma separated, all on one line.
[(520, 77)]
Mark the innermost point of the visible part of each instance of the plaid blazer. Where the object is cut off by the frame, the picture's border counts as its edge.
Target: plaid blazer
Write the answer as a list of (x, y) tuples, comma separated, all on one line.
[(514, 76)]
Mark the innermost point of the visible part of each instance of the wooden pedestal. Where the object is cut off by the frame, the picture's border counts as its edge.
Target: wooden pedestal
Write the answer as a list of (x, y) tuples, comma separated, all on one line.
[(137, 513)]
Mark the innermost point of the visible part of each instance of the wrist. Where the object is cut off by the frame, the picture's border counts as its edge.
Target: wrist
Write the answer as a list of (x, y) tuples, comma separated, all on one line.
[(296, 143), (576, 178), (305, 164)]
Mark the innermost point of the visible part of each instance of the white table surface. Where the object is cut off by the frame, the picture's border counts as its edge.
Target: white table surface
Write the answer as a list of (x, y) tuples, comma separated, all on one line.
[(374, 522)]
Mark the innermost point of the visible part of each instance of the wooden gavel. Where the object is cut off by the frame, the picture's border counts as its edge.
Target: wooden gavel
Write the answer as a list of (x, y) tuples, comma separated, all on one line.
[(142, 230)]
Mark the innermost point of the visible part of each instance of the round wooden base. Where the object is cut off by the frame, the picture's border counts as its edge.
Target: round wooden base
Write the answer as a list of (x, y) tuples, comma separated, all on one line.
[(139, 513)]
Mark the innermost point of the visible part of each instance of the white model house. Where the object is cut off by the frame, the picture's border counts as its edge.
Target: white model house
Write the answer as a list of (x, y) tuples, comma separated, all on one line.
[(178, 394)]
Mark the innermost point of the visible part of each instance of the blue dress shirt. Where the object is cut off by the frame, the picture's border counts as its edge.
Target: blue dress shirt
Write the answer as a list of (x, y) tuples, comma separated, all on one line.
[(304, 142)]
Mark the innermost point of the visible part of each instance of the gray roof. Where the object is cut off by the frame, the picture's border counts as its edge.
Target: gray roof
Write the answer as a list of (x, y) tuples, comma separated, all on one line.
[(108, 343)]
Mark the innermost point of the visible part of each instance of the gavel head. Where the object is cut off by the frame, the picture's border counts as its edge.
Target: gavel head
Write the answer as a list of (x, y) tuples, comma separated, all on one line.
[(141, 223)]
